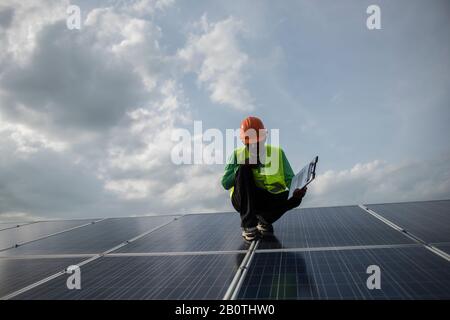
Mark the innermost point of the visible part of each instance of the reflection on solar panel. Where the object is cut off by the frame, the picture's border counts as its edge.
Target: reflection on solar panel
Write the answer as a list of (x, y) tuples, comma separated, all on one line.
[(95, 238), (33, 231), (316, 253), (152, 277), (330, 227), (341, 274), (428, 220), (199, 232)]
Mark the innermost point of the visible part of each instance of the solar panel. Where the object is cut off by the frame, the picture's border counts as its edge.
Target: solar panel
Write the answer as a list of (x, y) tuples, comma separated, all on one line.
[(428, 220), (329, 227), (29, 232), (200, 232), (16, 274), (406, 273), (5, 225), (317, 253), (147, 277), (444, 247), (95, 238)]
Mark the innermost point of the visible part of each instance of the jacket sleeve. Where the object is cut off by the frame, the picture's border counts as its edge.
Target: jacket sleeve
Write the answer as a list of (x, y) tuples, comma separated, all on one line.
[(230, 172), (288, 173)]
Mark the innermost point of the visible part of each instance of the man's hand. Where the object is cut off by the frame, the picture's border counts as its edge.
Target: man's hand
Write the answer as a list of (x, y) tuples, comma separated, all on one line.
[(299, 193)]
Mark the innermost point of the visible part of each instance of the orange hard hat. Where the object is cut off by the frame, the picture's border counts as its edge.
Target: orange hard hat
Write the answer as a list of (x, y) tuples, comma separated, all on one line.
[(252, 130)]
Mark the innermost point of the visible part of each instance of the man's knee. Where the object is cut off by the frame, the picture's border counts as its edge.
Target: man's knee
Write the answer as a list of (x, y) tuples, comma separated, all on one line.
[(236, 201), (276, 211)]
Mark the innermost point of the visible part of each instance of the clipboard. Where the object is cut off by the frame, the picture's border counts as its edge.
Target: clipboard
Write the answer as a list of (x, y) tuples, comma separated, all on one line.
[(304, 177)]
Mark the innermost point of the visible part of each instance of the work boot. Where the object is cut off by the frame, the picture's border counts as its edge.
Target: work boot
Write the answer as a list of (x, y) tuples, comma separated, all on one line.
[(250, 234), (265, 229)]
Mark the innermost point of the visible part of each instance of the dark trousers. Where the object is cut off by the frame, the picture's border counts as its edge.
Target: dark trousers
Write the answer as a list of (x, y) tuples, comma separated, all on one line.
[(255, 204)]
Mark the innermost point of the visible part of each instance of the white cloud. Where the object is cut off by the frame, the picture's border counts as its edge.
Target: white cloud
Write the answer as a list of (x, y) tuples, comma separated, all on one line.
[(29, 17), (177, 188), (150, 6), (87, 116), (131, 188), (149, 132), (142, 7), (219, 62), (197, 183), (379, 181), (28, 140), (92, 113), (18, 216)]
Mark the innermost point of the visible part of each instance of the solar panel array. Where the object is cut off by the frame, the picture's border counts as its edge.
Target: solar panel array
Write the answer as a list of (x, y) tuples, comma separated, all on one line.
[(316, 253)]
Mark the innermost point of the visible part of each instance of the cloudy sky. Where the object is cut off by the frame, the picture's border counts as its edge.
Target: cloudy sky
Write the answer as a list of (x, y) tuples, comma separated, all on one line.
[(87, 116)]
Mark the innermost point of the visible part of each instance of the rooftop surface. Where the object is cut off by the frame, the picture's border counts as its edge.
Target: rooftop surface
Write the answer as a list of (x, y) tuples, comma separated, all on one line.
[(316, 253)]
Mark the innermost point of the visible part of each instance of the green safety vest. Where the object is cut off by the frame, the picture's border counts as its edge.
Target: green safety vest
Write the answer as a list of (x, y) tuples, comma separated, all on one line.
[(274, 174)]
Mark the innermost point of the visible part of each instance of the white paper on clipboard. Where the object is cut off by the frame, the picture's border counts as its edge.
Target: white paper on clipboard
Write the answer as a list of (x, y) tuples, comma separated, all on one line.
[(304, 177)]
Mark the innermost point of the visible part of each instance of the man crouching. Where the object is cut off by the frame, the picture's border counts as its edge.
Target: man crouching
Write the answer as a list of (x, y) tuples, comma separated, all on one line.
[(258, 176)]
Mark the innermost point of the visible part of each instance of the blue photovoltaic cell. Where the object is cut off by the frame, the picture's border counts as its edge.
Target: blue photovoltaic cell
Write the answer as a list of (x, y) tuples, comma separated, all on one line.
[(95, 238), (29, 232), (147, 277), (406, 273), (16, 274), (199, 232), (330, 227), (428, 220)]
